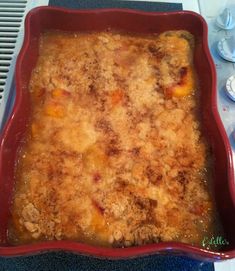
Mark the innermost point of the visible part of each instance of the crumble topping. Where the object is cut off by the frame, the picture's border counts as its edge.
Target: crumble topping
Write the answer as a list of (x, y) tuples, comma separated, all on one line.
[(114, 154)]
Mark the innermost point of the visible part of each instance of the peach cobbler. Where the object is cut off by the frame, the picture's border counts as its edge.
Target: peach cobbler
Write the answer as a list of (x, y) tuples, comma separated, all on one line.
[(114, 153)]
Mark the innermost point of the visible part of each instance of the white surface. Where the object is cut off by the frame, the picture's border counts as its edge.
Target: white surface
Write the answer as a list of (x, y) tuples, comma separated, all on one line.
[(212, 8), (228, 265)]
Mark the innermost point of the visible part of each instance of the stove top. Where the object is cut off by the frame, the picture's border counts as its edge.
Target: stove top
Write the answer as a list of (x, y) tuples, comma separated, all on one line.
[(12, 15), (224, 68)]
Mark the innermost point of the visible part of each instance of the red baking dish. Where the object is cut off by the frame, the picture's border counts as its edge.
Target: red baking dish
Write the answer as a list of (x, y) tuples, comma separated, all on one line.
[(45, 18)]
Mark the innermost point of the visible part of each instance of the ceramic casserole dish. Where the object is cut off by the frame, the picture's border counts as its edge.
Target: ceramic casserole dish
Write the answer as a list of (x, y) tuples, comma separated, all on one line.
[(42, 19)]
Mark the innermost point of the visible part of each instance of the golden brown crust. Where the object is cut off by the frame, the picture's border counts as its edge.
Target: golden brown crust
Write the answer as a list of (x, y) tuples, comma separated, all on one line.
[(115, 154)]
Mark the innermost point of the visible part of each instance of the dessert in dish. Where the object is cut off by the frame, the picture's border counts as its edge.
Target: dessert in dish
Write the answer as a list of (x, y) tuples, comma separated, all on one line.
[(114, 153)]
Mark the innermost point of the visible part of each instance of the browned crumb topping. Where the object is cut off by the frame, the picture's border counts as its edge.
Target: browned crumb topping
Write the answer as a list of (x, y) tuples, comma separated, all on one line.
[(115, 154)]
